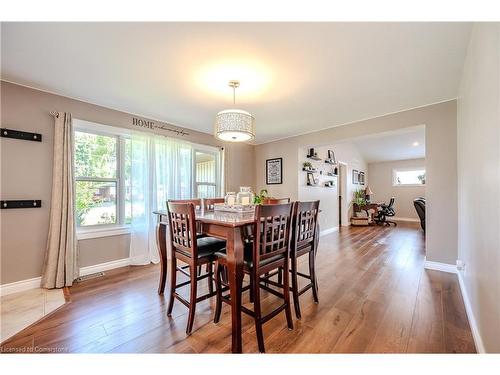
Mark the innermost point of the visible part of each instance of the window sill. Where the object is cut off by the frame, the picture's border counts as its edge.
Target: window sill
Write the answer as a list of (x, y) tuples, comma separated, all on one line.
[(86, 234)]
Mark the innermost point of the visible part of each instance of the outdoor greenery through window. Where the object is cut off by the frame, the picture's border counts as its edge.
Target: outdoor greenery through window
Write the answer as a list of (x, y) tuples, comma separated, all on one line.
[(409, 177), (102, 188)]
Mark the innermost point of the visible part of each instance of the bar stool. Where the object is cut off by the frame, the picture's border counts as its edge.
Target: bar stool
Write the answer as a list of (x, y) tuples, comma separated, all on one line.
[(194, 251), (269, 251)]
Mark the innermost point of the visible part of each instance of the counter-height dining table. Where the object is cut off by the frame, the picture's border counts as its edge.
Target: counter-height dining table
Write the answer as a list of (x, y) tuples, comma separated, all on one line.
[(230, 227)]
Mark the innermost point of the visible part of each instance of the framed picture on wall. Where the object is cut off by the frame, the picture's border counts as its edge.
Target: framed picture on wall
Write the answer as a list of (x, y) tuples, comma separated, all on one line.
[(274, 171), (361, 178), (355, 176)]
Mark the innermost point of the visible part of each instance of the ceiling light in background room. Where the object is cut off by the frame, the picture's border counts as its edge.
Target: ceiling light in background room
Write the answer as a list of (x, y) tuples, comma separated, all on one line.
[(234, 125), (415, 144)]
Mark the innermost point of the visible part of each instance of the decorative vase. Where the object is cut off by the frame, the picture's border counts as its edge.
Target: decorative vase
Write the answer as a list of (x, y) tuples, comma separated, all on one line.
[(245, 196), (230, 198)]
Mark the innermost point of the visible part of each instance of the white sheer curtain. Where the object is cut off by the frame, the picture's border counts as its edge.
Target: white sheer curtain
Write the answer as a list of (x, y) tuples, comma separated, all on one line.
[(161, 169)]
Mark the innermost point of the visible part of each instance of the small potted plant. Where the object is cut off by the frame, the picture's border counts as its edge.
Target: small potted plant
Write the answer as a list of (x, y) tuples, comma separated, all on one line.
[(259, 198), (358, 201), (307, 166)]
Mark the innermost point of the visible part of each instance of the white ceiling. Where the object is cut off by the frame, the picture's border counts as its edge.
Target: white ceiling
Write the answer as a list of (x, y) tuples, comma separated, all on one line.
[(403, 144), (295, 77)]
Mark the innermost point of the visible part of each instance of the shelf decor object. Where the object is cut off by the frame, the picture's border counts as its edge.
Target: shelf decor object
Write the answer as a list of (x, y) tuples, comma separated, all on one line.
[(330, 159), (6, 204), (18, 134), (234, 125), (311, 181), (274, 171)]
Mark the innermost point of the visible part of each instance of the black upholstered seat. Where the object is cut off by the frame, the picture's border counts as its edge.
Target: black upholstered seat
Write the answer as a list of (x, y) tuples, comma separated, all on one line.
[(208, 246), (247, 256)]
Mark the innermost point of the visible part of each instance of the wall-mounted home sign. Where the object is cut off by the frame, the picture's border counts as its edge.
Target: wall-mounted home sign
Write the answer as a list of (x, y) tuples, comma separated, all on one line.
[(148, 124)]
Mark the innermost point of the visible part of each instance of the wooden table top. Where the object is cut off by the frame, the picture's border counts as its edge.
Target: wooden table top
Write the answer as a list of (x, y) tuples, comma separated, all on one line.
[(229, 219)]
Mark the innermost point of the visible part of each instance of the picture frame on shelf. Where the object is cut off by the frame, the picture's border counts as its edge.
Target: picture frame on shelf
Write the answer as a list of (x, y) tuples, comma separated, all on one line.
[(274, 171), (311, 181), (331, 157), (355, 176)]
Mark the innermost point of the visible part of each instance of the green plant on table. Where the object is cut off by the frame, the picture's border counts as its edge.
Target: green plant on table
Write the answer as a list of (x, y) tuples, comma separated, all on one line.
[(259, 198), (359, 197)]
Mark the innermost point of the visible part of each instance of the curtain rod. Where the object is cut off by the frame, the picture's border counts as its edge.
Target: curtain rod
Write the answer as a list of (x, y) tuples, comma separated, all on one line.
[(54, 113)]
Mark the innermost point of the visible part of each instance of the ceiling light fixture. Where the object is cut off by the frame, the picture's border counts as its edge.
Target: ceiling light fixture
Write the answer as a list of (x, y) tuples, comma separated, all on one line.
[(415, 144), (234, 125)]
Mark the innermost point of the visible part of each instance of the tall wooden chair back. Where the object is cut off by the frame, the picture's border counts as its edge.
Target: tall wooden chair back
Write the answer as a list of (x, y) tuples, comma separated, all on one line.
[(304, 224), (195, 202), (272, 231), (276, 200), (209, 203), (182, 227)]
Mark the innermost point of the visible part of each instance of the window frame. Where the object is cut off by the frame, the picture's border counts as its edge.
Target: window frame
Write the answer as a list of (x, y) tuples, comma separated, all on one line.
[(120, 227), (218, 172), (408, 169)]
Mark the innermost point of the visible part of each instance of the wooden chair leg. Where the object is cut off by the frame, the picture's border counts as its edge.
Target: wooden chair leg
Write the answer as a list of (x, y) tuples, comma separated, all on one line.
[(173, 283), (210, 277), (258, 315), (192, 300), (286, 293), (280, 275), (312, 272), (218, 288), (252, 281), (295, 288)]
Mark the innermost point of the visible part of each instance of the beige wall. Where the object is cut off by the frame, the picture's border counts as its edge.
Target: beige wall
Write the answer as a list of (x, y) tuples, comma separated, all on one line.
[(383, 189), (26, 173), (441, 155), (479, 180)]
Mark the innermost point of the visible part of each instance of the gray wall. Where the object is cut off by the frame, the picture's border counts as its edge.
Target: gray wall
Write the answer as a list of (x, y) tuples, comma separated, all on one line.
[(383, 190), (479, 180), (441, 155), (26, 173)]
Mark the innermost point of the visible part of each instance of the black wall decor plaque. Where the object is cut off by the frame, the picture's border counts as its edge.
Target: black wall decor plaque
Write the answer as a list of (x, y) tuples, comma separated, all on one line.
[(18, 134), (31, 203)]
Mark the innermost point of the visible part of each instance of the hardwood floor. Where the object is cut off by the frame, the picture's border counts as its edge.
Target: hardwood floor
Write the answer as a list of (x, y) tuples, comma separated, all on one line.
[(374, 297)]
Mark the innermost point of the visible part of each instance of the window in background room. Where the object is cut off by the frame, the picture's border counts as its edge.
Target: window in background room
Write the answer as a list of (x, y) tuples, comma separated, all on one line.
[(101, 186), (408, 177), (207, 174)]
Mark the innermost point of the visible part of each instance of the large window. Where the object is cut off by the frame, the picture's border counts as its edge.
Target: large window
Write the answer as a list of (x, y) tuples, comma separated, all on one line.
[(102, 178), (103, 174), (408, 177)]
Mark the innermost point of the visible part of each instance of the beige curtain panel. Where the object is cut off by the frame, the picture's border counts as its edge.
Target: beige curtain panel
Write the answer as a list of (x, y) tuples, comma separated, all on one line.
[(60, 258)]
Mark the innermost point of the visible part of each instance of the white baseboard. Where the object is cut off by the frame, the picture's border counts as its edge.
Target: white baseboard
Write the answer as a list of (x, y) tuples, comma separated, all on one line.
[(101, 267), (470, 315), (328, 231), (411, 219), (20, 286), (438, 266)]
